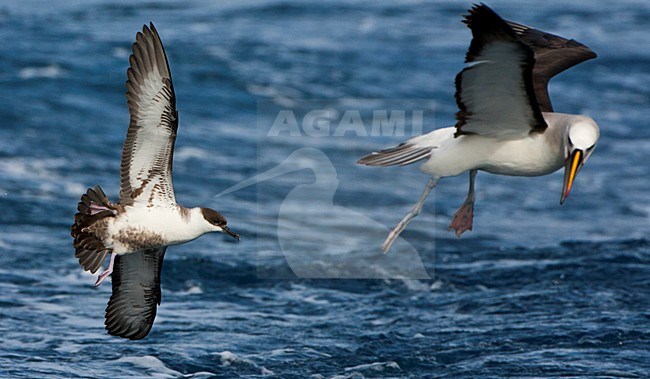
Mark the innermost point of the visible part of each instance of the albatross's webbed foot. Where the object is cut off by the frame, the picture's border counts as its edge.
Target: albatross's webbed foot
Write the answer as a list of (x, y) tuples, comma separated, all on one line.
[(463, 218), (106, 273)]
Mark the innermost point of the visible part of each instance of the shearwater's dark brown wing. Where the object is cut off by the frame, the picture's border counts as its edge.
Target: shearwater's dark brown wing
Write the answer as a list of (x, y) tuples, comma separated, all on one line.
[(146, 168), (136, 294), (553, 54)]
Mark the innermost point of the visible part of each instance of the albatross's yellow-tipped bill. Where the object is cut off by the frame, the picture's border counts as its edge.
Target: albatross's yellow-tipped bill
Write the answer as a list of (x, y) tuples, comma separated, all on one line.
[(571, 168)]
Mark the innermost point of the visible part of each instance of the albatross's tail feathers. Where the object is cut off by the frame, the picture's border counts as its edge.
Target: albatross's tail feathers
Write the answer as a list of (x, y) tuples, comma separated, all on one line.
[(403, 154), (89, 249)]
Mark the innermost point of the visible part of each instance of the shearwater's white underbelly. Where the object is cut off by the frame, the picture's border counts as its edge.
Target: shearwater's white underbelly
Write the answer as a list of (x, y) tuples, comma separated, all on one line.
[(140, 228)]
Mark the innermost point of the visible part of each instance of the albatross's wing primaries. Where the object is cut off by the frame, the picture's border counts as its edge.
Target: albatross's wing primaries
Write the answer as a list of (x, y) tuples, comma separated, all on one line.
[(494, 93), (146, 168), (553, 54), (136, 294)]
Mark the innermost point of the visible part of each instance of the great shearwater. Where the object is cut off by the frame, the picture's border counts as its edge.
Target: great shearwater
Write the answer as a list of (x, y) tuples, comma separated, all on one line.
[(505, 123), (137, 230)]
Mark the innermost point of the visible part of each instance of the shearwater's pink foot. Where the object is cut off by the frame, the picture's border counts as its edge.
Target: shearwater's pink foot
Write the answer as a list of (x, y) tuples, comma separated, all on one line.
[(463, 218), (106, 273), (98, 208)]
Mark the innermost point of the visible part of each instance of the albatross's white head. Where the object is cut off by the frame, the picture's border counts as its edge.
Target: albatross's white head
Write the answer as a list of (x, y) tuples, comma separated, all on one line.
[(216, 222), (580, 141)]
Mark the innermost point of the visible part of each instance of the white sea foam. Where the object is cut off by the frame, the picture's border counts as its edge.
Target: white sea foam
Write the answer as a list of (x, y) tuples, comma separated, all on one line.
[(155, 367), (438, 284), (185, 153), (50, 72), (227, 358), (376, 366)]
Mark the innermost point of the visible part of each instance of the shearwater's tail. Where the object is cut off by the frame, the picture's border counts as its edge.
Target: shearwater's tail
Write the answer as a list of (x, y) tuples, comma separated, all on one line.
[(402, 155), (89, 249)]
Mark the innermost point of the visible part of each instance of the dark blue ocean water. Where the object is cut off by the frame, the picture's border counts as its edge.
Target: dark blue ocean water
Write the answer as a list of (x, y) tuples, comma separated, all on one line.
[(535, 290)]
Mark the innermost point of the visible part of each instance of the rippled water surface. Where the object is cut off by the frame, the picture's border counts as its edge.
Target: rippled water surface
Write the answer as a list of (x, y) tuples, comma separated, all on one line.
[(535, 290)]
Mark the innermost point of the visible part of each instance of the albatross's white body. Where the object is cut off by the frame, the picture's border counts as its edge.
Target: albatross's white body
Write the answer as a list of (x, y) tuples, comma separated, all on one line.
[(534, 155)]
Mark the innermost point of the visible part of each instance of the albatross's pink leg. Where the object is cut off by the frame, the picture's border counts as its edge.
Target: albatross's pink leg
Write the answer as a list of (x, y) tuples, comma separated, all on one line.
[(464, 216), (413, 213), (108, 271)]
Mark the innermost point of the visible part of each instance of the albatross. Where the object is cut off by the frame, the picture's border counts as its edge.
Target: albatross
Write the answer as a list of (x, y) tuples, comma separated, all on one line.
[(505, 123), (136, 231)]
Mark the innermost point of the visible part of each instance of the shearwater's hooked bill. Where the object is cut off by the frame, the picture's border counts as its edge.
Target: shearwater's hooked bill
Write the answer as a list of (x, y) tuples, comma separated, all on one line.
[(137, 230), (505, 123)]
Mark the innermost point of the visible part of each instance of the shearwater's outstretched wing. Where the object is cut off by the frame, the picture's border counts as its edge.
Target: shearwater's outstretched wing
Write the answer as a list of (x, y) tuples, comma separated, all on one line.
[(495, 93), (136, 294), (553, 54), (146, 169)]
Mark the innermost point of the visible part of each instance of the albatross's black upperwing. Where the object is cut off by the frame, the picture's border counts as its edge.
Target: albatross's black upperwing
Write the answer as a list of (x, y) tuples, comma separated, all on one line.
[(494, 92), (553, 54), (136, 294)]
